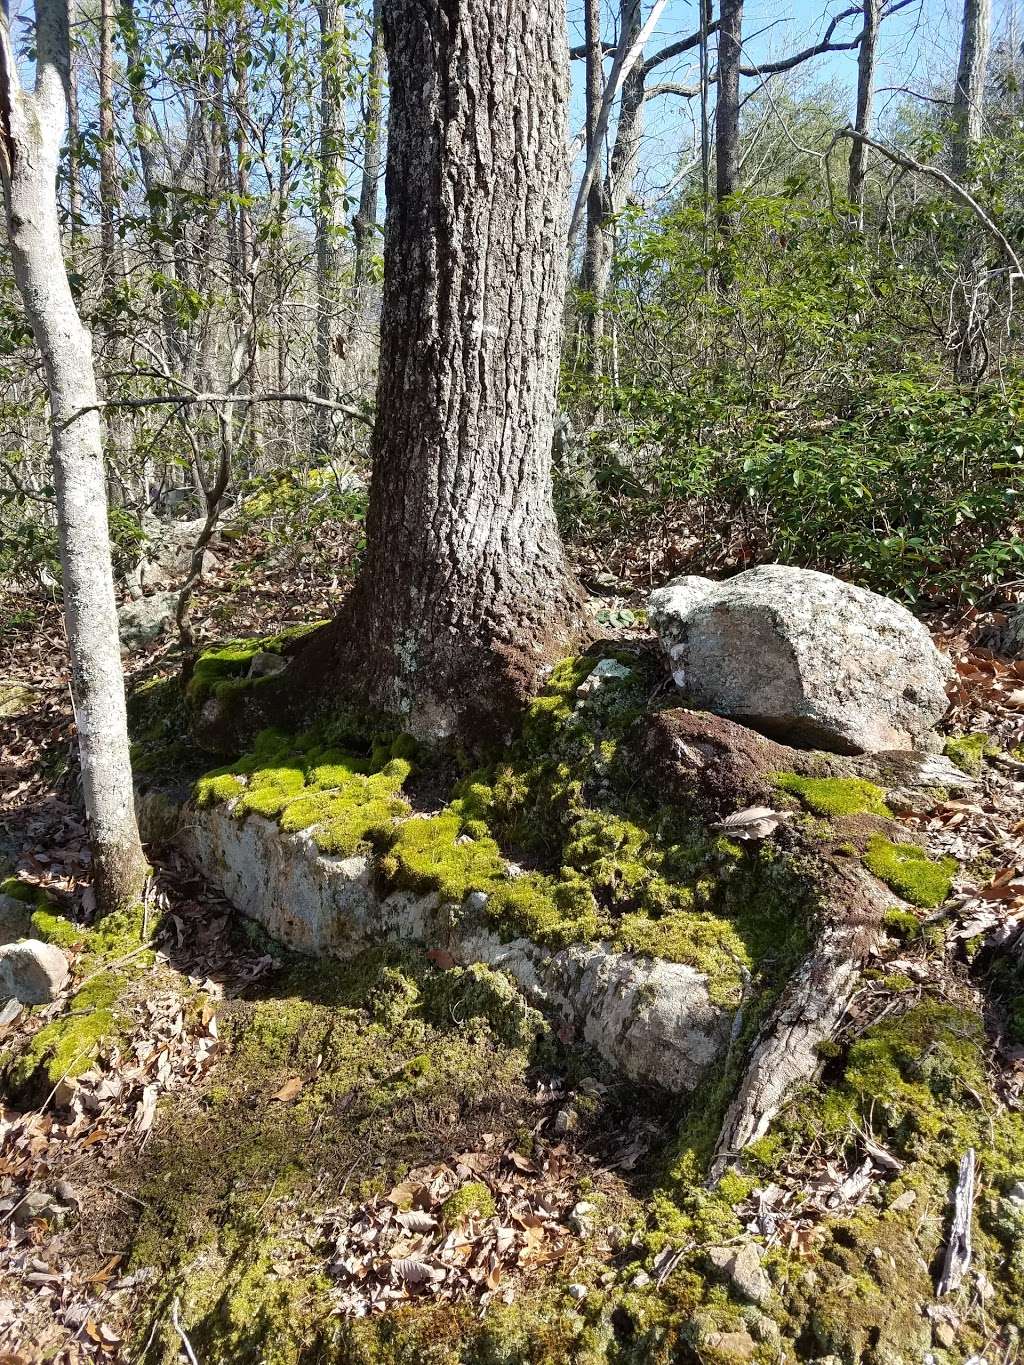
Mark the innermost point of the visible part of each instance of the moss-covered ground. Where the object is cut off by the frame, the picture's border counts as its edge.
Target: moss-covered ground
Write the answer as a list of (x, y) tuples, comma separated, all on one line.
[(337, 1079)]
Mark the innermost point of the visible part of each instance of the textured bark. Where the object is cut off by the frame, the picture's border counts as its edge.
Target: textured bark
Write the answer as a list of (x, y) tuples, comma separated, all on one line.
[(464, 594), (31, 128), (867, 56), (727, 110), (364, 225), (596, 249), (969, 90), (328, 254)]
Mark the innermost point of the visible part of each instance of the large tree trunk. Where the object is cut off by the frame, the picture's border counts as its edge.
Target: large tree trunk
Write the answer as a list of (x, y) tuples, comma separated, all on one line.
[(464, 595), (727, 110), (867, 55), (31, 127)]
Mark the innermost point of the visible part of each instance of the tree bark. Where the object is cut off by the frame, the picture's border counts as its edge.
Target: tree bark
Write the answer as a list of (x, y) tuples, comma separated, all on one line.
[(31, 128), (108, 163), (727, 110), (596, 246), (464, 596), (364, 225), (971, 299), (969, 90), (328, 262), (867, 55)]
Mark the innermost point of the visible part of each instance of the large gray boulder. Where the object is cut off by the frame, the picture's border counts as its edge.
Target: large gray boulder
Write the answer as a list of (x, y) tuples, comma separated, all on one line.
[(804, 657), (32, 972)]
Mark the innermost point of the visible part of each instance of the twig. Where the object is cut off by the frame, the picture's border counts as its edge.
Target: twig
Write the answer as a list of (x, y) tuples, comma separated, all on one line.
[(182, 1333), (958, 1249)]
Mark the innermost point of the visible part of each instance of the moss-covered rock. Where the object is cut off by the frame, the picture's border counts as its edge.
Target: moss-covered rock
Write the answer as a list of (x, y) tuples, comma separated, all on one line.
[(835, 795), (969, 752)]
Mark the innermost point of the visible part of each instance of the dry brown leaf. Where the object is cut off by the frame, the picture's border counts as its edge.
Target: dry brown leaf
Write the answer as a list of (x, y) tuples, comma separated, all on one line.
[(289, 1091)]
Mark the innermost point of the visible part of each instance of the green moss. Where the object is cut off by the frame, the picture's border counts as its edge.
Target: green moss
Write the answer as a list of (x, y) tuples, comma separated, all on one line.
[(473, 1200), (431, 853), (968, 752), (548, 910), (19, 890), (53, 928), (835, 795), (902, 924), (479, 996), (269, 791), (705, 942), (110, 959), (909, 871), (215, 788)]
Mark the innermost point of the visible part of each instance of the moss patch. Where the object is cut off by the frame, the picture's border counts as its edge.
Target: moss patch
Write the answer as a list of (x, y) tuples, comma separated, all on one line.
[(909, 871), (835, 795), (968, 752)]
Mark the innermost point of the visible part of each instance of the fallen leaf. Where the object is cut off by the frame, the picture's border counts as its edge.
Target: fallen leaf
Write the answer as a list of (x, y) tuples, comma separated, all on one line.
[(289, 1091)]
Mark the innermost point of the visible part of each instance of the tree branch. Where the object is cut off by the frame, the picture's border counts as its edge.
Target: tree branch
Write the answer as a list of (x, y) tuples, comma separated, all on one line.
[(189, 399), (956, 190)]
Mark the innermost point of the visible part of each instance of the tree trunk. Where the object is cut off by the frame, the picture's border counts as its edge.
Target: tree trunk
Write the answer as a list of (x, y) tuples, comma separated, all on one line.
[(31, 128), (74, 161), (327, 225), (464, 596), (969, 91), (867, 55), (727, 110), (971, 299), (595, 250), (108, 163), (364, 225)]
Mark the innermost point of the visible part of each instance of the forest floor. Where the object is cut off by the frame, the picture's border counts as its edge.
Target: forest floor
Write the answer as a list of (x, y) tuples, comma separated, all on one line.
[(81, 1171)]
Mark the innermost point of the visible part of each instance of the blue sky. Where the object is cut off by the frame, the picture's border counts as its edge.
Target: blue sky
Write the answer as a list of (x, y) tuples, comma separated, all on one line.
[(917, 53)]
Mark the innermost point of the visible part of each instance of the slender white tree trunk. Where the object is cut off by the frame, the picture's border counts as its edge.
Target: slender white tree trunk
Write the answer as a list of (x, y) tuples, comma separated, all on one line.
[(31, 131)]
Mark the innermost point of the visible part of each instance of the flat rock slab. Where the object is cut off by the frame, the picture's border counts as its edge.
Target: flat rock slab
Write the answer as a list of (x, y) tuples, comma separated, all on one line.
[(652, 1020)]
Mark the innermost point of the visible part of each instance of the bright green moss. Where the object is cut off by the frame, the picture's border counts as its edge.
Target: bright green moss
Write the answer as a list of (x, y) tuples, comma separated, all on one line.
[(548, 910), (472, 1200), (216, 788), (968, 752), (53, 928), (909, 871), (269, 791), (902, 924), (705, 942), (831, 796), (18, 890), (431, 853), (609, 852), (480, 996)]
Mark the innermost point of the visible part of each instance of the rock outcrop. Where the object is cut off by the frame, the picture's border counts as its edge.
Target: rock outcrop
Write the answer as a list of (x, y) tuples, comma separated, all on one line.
[(804, 657)]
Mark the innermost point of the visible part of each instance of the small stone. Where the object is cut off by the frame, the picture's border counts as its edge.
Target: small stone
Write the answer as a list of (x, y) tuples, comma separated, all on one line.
[(608, 670), (739, 1345), (564, 1122), (476, 902), (577, 1292), (32, 972), (143, 621), (15, 697), (1015, 1194), (904, 1201), (578, 1221), (640, 1280), (590, 1085), (742, 1267), (15, 919), (944, 1335), (264, 664), (36, 1204)]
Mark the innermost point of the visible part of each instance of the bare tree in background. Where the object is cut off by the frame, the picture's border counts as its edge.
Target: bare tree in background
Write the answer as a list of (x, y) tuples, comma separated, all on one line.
[(867, 59), (31, 131)]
